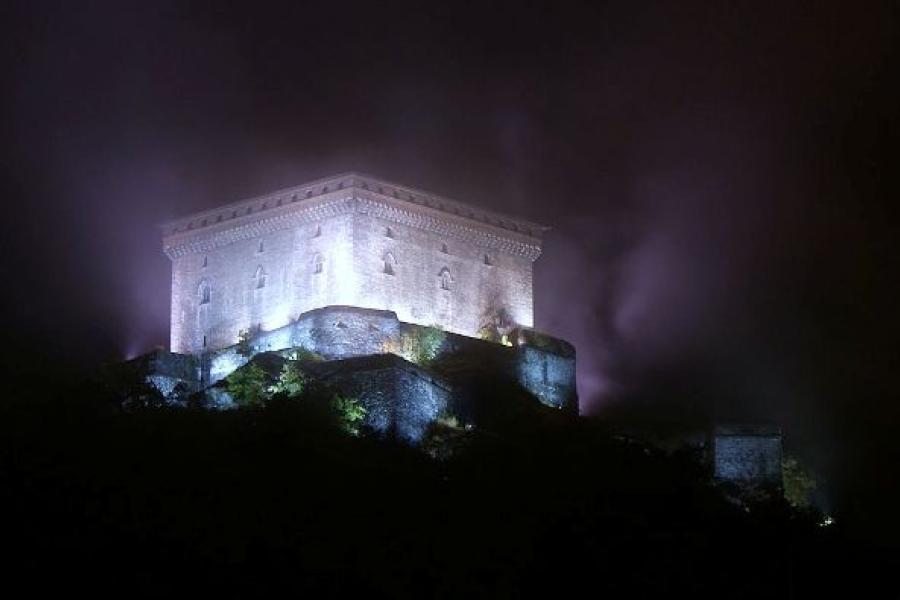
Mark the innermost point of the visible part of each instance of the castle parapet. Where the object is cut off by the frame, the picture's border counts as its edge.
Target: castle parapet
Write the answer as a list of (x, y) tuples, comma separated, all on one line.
[(541, 364)]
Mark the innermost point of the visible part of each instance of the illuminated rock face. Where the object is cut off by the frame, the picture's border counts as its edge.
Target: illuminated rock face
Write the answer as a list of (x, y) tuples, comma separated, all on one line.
[(348, 240)]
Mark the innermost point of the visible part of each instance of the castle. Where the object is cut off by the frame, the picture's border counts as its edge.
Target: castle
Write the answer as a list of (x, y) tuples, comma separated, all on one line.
[(348, 240), (353, 269), (358, 272)]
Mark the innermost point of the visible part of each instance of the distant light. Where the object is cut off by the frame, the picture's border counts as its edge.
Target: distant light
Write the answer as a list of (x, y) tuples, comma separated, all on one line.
[(826, 522)]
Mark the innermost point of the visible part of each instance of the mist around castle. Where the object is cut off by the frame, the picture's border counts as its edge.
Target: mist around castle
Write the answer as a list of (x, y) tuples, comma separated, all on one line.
[(449, 300), (356, 402)]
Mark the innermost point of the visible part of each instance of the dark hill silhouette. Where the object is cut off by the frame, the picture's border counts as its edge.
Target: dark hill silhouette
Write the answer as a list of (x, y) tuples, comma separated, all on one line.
[(249, 502)]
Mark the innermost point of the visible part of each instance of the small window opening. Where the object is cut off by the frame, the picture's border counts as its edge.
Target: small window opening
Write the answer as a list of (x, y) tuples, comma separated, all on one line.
[(389, 263), (389, 233), (446, 279), (204, 293), (260, 278), (318, 231), (261, 248), (204, 341), (205, 261), (318, 264), (444, 249), (487, 260)]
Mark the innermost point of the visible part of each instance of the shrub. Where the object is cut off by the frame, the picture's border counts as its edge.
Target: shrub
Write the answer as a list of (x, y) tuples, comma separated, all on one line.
[(247, 385), (445, 437), (419, 345), (245, 337), (292, 380), (799, 483), (496, 323), (350, 413)]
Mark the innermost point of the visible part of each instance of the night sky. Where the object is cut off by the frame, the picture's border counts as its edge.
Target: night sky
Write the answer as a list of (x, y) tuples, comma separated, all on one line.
[(718, 178)]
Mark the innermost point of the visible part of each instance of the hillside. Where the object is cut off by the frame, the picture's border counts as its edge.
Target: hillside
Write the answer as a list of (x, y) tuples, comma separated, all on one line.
[(280, 497)]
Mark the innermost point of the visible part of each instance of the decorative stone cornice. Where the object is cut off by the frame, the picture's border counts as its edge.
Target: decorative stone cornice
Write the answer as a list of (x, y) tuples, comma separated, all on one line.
[(344, 194), (204, 240), (450, 227)]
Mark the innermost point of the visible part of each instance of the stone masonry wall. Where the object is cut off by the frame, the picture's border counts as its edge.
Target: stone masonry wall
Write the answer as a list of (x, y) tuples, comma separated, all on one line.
[(400, 269), (295, 271), (747, 455), (261, 263), (401, 400), (337, 332)]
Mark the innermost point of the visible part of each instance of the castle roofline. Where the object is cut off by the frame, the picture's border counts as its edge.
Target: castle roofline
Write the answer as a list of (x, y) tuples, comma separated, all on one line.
[(350, 181)]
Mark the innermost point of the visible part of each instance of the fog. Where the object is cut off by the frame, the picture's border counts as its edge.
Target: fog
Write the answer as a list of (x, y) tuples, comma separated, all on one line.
[(716, 179)]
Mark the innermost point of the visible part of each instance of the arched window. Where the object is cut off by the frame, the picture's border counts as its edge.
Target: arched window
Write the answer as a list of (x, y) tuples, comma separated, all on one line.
[(318, 263), (260, 277), (446, 278), (204, 292), (389, 263), (317, 232), (205, 261), (389, 233), (261, 248), (444, 249), (487, 260)]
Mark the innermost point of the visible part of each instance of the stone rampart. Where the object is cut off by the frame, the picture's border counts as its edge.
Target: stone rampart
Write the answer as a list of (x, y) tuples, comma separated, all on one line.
[(542, 365), (401, 399), (747, 454)]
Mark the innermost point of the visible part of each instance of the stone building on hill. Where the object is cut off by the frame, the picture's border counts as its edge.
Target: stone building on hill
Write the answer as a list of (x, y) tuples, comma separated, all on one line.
[(348, 240), (363, 274)]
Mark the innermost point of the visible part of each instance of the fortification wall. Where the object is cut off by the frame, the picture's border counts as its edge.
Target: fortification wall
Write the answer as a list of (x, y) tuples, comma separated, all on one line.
[(550, 377), (747, 454), (401, 400), (545, 368)]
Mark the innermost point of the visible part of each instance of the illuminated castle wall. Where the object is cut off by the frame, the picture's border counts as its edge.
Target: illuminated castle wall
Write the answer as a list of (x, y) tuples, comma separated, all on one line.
[(346, 240)]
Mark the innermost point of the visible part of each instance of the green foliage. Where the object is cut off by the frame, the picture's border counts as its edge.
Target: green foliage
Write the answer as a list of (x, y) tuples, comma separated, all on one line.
[(247, 385), (245, 337), (799, 483), (427, 344), (496, 323), (448, 420), (488, 334), (292, 381), (446, 437), (419, 345), (250, 387), (350, 412)]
